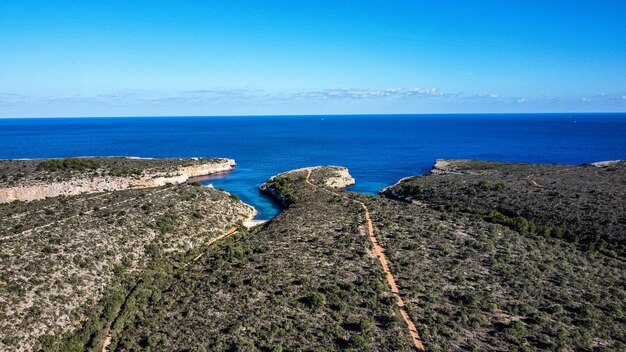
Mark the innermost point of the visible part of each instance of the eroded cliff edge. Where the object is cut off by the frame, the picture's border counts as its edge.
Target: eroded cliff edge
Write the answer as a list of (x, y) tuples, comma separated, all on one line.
[(28, 180)]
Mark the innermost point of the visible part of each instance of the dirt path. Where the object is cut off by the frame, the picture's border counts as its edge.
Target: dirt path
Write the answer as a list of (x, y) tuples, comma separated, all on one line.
[(107, 342), (534, 183), (382, 258), (213, 240)]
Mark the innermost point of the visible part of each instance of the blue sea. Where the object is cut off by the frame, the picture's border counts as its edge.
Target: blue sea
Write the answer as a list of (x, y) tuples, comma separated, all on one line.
[(378, 149)]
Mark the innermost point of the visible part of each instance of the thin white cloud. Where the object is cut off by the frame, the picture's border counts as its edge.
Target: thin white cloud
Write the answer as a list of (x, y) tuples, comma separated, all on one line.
[(353, 93), (623, 97), (492, 96), (216, 92), (8, 99)]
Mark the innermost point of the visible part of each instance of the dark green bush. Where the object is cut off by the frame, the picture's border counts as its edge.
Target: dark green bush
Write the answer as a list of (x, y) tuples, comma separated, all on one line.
[(78, 164), (315, 301)]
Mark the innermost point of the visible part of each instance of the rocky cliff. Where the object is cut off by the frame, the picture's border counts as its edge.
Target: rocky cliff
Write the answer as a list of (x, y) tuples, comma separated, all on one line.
[(162, 171)]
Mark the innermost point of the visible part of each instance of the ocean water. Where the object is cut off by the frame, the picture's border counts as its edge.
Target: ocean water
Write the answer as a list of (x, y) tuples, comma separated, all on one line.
[(378, 149)]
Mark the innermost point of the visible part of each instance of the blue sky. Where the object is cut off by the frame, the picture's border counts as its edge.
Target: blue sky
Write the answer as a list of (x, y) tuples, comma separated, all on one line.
[(119, 58)]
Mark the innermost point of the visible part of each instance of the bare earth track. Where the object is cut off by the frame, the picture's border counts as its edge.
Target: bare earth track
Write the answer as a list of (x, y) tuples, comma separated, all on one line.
[(380, 254)]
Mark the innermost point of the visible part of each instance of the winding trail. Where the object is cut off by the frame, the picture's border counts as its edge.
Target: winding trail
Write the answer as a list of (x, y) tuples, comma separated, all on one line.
[(382, 258), (213, 240)]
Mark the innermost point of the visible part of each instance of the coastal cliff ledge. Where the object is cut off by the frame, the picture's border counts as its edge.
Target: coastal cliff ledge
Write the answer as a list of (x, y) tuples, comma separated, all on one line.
[(28, 180)]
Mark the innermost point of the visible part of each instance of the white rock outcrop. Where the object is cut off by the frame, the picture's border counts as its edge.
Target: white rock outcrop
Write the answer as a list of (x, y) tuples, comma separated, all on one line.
[(340, 179), (605, 163), (80, 185), (442, 166)]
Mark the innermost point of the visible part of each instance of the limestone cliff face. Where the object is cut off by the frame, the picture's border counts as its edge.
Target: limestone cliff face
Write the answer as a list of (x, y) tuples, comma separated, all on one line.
[(441, 167), (268, 188), (79, 185), (390, 193)]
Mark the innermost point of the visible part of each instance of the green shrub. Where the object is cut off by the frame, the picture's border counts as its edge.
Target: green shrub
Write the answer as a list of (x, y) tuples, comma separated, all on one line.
[(167, 222), (516, 328), (315, 301), (158, 341), (357, 342), (79, 164), (366, 325), (521, 225), (198, 349), (245, 345), (558, 232)]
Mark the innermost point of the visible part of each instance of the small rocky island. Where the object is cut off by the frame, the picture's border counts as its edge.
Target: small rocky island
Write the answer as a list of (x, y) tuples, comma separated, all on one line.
[(474, 256)]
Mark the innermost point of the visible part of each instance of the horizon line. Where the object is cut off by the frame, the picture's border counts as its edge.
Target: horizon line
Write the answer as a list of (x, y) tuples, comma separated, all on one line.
[(310, 115)]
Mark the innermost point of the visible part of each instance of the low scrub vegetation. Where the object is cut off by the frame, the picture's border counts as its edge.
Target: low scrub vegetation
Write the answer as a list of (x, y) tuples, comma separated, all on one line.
[(304, 281), (78, 164), (135, 266), (478, 285), (581, 204), (30, 172), (59, 256)]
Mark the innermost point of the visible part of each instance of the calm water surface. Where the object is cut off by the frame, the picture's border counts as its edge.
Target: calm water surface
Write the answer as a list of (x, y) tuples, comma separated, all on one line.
[(378, 149)]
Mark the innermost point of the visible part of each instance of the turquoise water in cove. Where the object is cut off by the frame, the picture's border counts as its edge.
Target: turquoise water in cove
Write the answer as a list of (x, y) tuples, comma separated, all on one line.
[(378, 149)]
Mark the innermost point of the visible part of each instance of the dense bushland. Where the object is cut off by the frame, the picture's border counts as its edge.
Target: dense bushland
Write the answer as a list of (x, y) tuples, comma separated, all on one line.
[(581, 204), (475, 285)]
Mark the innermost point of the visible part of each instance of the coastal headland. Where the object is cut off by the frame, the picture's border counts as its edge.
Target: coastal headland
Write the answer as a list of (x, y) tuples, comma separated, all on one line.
[(33, 179)]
